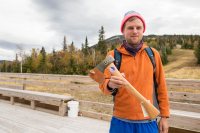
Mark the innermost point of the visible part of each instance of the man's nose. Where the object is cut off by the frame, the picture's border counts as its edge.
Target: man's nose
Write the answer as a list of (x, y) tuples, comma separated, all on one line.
[(134, 30)]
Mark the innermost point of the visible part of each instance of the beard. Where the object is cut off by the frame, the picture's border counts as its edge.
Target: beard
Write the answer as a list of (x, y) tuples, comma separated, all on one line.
[(133, 43)]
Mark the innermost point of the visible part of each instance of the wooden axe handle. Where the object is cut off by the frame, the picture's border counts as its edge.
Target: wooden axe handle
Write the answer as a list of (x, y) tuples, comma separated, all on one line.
[(151, 110)]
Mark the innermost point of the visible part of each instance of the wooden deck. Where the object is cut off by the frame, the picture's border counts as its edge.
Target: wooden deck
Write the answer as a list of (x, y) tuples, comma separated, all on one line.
[(17, 119)]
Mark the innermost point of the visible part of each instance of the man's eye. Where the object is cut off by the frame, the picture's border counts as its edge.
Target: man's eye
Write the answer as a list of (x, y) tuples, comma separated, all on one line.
[(139, 28), (130, 28)]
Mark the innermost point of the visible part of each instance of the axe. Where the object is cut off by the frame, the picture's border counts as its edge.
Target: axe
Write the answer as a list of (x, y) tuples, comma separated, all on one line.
[(97, 75)]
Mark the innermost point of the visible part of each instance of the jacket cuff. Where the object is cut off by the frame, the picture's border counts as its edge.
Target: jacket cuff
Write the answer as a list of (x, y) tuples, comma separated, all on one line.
[(104, 87), (109, 88)]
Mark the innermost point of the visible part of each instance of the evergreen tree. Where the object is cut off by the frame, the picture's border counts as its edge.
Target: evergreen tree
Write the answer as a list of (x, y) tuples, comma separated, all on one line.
[(64, 44), (71, 66), (112, 47), (42, 64), (34, 61), (164, 55), (54, 52), (101, 46), (86, 47), (82, 47), (86, 43), (4, 66), (168, 50), (101, 34), (16, 65), (16, 57), (9, 67), (197, 52), (72, 48), (54, 62)]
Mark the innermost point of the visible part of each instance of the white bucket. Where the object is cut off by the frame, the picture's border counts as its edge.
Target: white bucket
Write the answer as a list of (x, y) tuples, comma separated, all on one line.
[(73, 108)]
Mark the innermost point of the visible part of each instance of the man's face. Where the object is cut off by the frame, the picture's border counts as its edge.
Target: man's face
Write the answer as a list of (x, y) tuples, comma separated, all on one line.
[(133, 31)]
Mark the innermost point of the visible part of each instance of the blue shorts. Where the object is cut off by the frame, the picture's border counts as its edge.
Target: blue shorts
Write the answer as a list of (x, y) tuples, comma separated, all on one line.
[(121, 126)]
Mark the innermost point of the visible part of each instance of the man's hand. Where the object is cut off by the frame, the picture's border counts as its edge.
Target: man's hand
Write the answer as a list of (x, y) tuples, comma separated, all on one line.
[(116, 82), (163, 125)]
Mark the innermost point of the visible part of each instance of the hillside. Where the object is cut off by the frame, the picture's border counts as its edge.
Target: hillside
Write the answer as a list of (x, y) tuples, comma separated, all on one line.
[(1, 61), (182, 64)]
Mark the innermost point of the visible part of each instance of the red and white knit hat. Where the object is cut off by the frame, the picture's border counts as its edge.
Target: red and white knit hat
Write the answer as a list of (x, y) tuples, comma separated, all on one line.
[(129, 15)]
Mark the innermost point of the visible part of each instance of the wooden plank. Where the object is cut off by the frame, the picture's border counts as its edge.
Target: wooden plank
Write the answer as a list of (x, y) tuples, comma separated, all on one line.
[(108, 108), (185, 114), (184, 97), (47, 110), (25, 93), (63, 109), (19, 87), (37, 108), (178, 130), (41, 83), (41, 97), (12, 100), (33, 103), (185, 120), (19, 118), (191, 107), (46, 76), (183, 83), (7, 126)]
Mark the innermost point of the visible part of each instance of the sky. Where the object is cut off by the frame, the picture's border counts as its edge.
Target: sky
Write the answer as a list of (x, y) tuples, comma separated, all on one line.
[(27, 24)]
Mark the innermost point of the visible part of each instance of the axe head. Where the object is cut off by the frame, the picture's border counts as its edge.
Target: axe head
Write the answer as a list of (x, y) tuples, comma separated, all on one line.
[(97, 73)]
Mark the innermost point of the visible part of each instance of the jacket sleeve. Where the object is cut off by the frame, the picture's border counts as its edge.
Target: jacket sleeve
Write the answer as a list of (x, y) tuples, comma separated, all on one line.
[(162, 87), (103, 87)]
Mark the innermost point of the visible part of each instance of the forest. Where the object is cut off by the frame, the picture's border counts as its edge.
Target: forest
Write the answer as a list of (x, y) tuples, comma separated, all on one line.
[(73, 61)]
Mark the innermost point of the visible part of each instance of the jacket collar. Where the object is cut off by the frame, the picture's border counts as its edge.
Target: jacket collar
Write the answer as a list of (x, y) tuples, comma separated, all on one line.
[(122, 50)]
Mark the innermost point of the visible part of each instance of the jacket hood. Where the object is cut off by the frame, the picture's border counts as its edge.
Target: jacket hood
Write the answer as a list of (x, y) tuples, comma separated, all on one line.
[(122, 50)]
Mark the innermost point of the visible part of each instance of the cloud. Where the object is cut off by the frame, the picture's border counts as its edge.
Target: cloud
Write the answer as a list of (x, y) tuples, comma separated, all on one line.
[(16, 46), (8, 45), (6, 54), (78, 19), (8, 49), (37, 23), (188, 4), (70, 18)]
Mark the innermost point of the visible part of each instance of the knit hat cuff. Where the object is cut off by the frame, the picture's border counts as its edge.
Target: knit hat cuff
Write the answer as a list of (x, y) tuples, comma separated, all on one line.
[(125, 19)]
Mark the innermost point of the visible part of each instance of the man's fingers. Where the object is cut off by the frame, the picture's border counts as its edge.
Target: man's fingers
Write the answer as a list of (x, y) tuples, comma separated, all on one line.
[(123, 75), (92, 72), (117, 78), (117, 82), (163, 127), (115, 86)]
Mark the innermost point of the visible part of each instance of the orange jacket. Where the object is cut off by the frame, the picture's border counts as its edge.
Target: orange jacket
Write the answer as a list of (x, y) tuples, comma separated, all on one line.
[(138, 71)]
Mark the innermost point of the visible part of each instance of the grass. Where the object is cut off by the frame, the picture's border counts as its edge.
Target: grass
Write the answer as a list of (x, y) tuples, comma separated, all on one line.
[(79, 94), (182, 65)]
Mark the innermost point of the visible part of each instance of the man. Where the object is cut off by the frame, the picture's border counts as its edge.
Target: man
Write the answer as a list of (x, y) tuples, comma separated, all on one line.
[(137, 68)]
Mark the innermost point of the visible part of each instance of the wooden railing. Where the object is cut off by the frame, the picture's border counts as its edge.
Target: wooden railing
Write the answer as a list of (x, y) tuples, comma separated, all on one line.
[(185, 106), (183, 83), (19, 80)]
